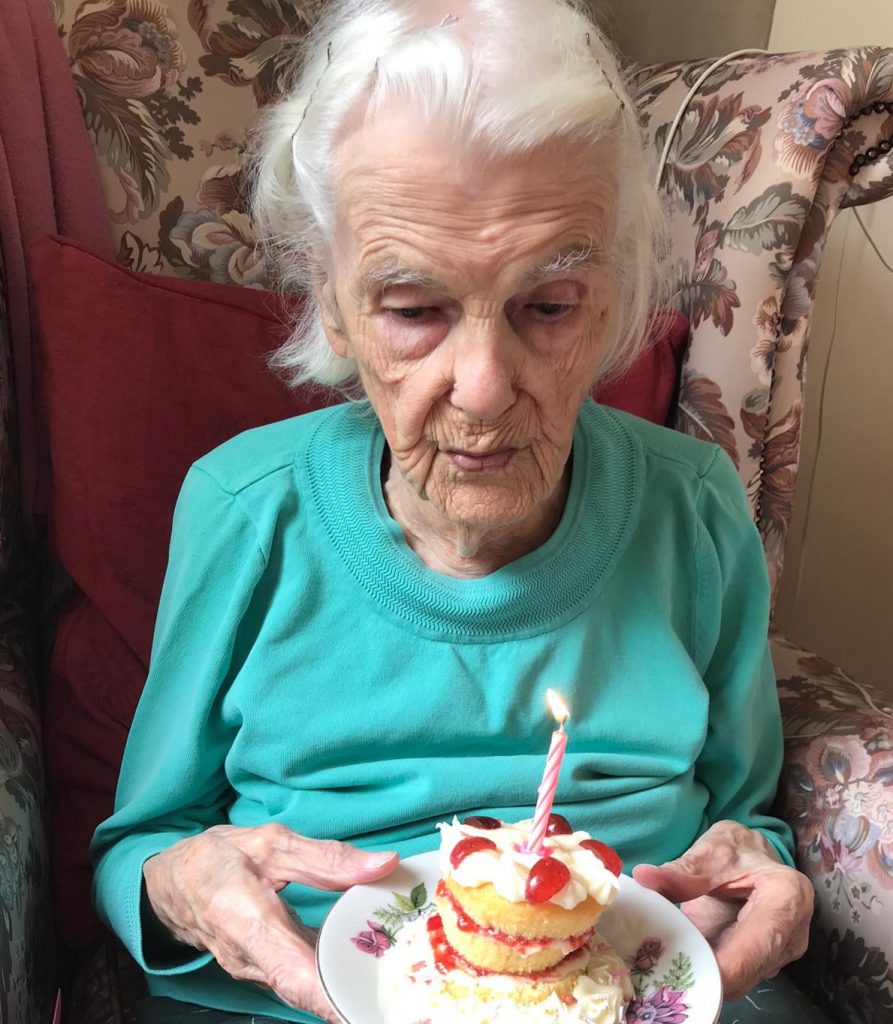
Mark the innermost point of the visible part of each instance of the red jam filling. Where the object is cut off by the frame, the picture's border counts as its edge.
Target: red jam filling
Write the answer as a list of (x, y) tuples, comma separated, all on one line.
[(447, 959), (524, 946)]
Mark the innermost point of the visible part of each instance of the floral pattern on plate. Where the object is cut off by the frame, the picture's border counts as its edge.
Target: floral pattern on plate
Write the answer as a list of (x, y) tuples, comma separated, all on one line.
[(403, 909), (660, 999)]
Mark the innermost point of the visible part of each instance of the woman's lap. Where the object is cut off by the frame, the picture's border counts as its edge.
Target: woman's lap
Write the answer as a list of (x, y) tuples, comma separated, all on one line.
[(777, 1001), (161, 1010)]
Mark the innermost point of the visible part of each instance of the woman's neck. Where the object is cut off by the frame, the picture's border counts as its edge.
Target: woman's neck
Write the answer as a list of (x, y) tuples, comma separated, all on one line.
[(462, 551)]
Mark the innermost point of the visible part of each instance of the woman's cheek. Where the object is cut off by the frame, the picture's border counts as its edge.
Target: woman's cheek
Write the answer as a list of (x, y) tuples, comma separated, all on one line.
[(576, 359), (414, 410)]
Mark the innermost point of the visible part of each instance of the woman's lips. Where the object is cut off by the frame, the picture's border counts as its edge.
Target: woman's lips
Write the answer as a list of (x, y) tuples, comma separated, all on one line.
[(477, 462)]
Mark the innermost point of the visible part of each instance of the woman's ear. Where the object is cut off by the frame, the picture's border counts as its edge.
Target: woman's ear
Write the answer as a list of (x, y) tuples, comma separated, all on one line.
[(330, 315)]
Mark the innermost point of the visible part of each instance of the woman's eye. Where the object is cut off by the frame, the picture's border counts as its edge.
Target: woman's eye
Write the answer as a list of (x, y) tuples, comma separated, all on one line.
[(550, 310), (412, 312)]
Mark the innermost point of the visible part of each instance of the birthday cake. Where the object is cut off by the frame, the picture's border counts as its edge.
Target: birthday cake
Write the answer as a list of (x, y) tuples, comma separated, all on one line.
[(514, 935)]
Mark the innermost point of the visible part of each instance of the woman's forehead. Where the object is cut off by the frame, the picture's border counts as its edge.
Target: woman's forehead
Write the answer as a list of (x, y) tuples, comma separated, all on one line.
[(398, 147), (443, 246), (409, 201)]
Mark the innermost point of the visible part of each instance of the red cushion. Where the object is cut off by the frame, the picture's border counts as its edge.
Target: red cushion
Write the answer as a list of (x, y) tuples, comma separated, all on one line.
[(142, 375), (648, 388)]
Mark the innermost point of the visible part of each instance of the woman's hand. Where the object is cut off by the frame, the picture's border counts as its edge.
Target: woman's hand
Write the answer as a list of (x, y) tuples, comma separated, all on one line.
[(754, 910), (217, 891)]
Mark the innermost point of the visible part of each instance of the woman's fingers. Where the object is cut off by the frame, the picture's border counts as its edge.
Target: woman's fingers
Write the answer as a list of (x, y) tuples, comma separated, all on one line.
[(711, 916), (674, 882), (772, 929), (297, 983), (327, 864), (726, 851), (282, 856), (210, 892), (250, 933), (756, 923), (754, 910)]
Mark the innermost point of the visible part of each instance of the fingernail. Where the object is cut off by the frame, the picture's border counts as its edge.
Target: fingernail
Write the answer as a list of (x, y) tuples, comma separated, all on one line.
[(377, 860)]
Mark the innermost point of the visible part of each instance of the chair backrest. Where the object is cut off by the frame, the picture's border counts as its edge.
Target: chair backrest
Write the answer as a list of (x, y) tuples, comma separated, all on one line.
[(754, 177)]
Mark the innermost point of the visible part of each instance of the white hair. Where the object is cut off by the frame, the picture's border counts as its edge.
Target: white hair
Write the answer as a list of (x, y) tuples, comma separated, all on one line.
[(505, 75)]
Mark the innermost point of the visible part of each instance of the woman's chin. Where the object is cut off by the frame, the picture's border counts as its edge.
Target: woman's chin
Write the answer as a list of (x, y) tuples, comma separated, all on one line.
[(485, 508), (490, 499)]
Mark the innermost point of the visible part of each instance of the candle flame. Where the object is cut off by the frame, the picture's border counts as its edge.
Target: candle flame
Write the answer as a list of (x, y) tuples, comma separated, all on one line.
[(557, 706)]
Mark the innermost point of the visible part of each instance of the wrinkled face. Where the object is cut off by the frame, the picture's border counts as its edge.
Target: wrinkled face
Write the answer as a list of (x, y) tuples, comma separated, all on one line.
[(475, 298)]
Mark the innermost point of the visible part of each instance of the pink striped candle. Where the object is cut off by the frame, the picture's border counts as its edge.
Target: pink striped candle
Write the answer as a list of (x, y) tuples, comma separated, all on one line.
[(546, 791)]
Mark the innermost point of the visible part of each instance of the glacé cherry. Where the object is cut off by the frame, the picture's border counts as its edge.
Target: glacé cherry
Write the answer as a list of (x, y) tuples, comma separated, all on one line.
[(469, 845), (605, 854), (558, 826), (547, 877), (482, 821)]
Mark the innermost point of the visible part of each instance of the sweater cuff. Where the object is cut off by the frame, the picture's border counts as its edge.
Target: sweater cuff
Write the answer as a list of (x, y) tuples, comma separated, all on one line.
[(779, 845), (120, 897)]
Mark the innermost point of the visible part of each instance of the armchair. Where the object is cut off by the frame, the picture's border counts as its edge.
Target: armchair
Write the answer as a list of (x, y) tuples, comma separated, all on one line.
[(756, 173)]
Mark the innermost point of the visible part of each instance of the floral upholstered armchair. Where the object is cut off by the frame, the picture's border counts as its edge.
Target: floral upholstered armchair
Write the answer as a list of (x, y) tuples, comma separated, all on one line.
[(166, 92)]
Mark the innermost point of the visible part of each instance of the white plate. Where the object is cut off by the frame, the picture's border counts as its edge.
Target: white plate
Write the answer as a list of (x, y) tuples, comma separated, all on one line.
[(672, 965)]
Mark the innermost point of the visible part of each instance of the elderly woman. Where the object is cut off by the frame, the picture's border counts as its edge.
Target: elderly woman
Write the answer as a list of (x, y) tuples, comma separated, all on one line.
[(364, 606)]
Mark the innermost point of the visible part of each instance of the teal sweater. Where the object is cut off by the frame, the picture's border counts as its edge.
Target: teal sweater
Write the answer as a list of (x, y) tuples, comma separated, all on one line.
[(308, 669)]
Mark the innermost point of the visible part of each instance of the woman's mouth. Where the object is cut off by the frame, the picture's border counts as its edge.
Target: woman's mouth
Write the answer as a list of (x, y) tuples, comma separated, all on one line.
[(479, 462)]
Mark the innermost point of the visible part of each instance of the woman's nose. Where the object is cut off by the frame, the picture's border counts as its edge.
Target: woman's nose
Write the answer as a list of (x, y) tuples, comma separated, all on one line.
[(484, 370)]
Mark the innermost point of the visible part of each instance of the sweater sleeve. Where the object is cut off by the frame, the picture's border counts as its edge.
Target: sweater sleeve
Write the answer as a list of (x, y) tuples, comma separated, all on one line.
[(742, 754), (172, 782)]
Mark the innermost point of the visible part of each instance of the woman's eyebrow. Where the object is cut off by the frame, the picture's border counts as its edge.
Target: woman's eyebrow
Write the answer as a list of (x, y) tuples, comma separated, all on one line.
[(574, 257), (391, 273)]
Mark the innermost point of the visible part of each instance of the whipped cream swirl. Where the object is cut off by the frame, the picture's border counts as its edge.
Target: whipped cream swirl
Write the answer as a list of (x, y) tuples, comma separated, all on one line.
[(506, 868)]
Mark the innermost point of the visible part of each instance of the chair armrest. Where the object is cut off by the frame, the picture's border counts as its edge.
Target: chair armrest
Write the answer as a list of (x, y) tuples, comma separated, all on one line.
[(836, 793), (26, 933)]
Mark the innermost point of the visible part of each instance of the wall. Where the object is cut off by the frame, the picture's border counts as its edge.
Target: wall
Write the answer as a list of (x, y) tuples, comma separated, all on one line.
[(653, 31), (837, 591)]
